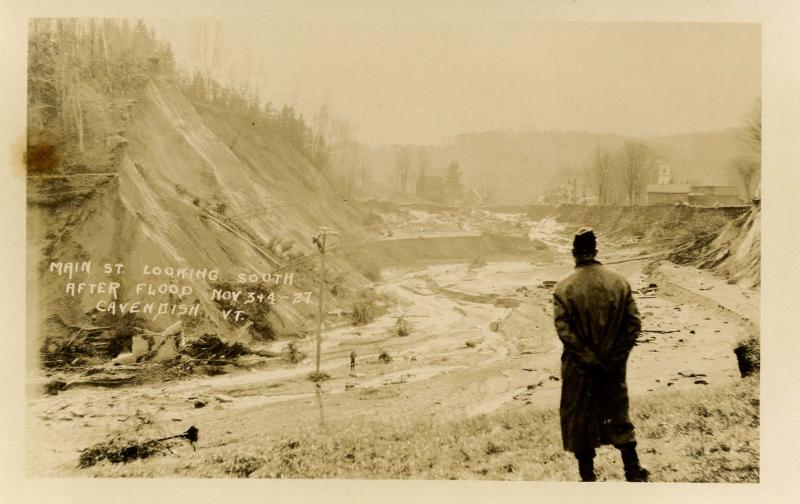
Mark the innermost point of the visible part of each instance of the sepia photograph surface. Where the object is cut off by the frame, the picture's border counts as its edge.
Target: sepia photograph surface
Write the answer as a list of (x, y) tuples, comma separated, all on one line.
[(313, 247)]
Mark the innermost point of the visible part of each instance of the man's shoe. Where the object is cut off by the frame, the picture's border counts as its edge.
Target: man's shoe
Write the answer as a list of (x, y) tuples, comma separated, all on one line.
[(637, 474), (630, 460)]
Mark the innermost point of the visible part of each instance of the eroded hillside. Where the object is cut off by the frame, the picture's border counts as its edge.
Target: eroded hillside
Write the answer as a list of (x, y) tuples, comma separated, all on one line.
[(202, 190)]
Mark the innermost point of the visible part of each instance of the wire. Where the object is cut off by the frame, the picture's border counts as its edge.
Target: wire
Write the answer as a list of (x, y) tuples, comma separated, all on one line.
[(252, 213)]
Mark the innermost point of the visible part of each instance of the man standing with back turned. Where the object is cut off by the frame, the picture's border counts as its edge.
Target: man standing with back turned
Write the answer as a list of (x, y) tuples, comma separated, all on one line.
[(597, 321)]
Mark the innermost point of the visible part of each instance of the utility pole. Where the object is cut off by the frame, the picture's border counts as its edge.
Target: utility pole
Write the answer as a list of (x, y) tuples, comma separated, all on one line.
[(320, 240)]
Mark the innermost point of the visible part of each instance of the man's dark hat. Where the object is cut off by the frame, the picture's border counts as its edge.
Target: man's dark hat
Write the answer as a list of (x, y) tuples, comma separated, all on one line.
[(585, 241)]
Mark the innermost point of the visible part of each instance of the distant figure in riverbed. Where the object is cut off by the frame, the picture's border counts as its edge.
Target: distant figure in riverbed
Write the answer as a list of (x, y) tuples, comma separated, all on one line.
[(597, 321), (353, 360)]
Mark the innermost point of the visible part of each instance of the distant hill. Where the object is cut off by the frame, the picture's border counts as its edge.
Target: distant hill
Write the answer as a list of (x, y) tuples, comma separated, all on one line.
[(520, 166)]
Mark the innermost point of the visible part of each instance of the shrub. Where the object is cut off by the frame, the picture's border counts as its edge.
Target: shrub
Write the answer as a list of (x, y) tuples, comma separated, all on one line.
[(210, 346), (403, 327), (748, 355), (477, 262), (256, 312), (366, 307), (242, 466), (293, 354)]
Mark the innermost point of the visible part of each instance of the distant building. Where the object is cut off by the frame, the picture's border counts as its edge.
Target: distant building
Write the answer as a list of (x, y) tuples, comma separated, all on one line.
[(664, 172), (667, 194), (571, 192), (431, 189), (695, 195), (714, 195)]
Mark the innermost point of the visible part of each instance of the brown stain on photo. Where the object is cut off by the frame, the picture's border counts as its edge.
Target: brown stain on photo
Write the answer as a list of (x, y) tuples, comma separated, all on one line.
[(38, 159), (41, 158), (17, 156)]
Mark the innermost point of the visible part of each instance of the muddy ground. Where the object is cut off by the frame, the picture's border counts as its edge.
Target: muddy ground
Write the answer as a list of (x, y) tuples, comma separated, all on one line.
[(481, 340)]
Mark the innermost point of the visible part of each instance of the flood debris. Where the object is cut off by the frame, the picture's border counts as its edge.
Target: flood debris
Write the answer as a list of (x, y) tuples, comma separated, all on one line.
[(107, 378), (68, 344), (153, 346), (691, 375), (53, 387), (524, 291), (96, 377), (211, 348), (403, 327), (319, 376), (650, 289), (117, 451)]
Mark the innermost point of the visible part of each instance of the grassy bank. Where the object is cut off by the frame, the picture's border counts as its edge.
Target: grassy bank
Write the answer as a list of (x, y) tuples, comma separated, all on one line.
[(707, 435)]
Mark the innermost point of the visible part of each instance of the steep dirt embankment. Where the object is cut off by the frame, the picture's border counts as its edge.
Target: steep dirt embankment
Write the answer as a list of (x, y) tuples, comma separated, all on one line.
[(640, 221), (736, 251), (727, 240), (176, 200)]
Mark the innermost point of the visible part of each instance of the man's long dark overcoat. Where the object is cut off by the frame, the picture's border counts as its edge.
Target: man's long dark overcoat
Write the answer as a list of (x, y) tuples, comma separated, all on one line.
[(597, 321)]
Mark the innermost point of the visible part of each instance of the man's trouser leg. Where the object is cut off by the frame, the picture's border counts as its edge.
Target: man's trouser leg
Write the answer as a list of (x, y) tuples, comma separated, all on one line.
[(586, 465), (630, 460)]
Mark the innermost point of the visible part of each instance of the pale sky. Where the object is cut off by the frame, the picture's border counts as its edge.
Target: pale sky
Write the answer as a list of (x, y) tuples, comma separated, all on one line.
[(420, 78)]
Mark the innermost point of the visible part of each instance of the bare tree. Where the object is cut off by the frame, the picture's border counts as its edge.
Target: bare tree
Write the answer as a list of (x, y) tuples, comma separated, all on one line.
[(207, 49), (364, 175), (748, 170), (634, 163), (748, 165), (423, 163), (752, 134), (322, 122), (402, 165), (601, 175)]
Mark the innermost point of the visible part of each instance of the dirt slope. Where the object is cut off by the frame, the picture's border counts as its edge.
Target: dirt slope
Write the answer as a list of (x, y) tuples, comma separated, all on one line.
[(726, 239), (736, 252), (174, 200)]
